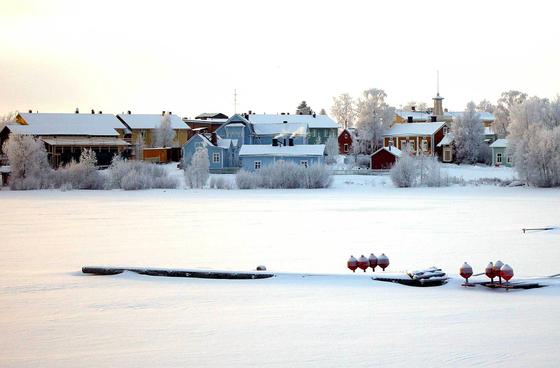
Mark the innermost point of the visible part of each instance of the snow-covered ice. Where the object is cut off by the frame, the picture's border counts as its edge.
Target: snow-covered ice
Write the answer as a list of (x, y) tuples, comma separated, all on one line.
[(52, 315)]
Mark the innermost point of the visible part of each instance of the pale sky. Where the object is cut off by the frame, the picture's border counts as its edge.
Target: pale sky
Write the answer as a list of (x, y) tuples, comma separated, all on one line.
[(188, 56)]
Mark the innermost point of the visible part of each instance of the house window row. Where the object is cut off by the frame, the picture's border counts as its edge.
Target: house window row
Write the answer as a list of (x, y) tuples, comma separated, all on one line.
[(258, 164)]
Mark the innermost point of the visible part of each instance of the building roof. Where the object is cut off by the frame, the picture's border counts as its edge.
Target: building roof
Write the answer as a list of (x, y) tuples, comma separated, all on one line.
[(404, 130), (81, 142), (499, 143), (212, 115), (280, 128), (483, 115), (150, 121), (225, 143), (206, 121), (416, 115), (269, 150), (446, 140), (391, 149), (319, 121), (45, 124)]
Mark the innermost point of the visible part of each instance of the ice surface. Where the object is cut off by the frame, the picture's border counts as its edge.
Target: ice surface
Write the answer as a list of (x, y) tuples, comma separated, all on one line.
[(54, 316)]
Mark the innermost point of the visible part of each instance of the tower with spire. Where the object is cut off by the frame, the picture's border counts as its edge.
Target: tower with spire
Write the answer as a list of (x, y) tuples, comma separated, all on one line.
[(438, 103)]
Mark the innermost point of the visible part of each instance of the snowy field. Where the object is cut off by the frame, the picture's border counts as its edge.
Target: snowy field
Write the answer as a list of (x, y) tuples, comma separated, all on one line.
[(53, 316)]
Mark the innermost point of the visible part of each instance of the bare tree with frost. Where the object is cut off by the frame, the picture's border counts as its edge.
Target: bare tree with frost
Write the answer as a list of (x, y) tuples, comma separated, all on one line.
[(197, 172), (164, 135), (343, 110), (374, 116), (331, 148), (28, 162), (468, 132), (502, 112), (534, 141)]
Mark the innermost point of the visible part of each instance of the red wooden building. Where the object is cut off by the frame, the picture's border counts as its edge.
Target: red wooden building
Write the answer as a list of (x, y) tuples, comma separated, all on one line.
[(345, 141), (384, 158)]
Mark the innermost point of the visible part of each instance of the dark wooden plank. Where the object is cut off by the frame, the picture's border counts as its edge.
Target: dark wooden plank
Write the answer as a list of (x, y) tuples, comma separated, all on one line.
[(201, 274)]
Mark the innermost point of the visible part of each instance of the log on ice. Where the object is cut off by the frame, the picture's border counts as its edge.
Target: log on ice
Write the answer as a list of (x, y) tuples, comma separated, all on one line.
[(200, 274)]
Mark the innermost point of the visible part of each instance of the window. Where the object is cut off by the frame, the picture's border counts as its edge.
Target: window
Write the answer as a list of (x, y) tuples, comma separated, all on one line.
[(345, 147), (304, 163), (403, 145), (446, 155), (411, 145), (216, 157), (445, 130), (257, 165), (424, 145), (498, 158)]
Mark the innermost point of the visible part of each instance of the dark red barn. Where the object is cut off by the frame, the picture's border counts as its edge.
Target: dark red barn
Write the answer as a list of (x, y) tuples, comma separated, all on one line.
[(384, 158)]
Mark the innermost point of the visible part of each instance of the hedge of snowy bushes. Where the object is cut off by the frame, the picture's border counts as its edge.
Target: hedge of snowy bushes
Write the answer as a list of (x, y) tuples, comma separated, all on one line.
[(30, 170), (285, 175)]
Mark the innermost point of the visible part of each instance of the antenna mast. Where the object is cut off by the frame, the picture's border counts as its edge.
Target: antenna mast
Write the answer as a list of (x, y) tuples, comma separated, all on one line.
[(235, 101), (438, 82)]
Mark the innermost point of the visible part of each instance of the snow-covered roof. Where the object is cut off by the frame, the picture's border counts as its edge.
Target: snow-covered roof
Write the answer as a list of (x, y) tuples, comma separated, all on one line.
[(280, 128), (269, 150), (225, 142), (68, 124), (150, 121), (319, 121), (499, 143), (235, 125), (80, 142), (416, 115), (413, 129), (483, 115), (206, 121), (446, 140), (391, 149), (212, 115)]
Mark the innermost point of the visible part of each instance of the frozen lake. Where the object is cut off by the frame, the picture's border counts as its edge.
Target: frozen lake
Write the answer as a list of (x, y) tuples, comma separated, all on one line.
[(54, 316)]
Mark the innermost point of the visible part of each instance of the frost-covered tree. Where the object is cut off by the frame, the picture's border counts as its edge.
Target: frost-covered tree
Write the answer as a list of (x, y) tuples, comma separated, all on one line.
[(331, 148), (468, 132), (304, 109), (374, 116), (80, 175), (404, 172), (197, 172), (534, 141), (9, 118), (419, 106), (135, 175), (502, 111), (28, 162), (485, 106), (343, 110), (164, 135)]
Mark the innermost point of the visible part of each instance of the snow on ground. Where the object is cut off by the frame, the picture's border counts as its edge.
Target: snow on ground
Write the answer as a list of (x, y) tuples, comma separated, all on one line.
[(52, 315)]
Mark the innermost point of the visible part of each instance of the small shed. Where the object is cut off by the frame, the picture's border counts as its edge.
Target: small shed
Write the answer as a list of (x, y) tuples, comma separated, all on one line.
[(499, 153), (385, 157)]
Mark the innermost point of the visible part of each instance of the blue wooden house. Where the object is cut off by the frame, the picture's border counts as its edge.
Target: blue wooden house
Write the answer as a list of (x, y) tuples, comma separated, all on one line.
[(249, 131), (222, 153), (255, 156)]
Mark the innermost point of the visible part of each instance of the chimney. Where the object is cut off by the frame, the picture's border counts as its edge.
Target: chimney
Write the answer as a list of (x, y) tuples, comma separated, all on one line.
[(290, 142), (77, 111), (31, 111), (446, 110), (288, 113), (434, 118), (101, 112), (314, 115), (274, 142), (170, 113), (92, 111), (409, 119), (128, 112), (413, 108), (214, 138), (163, 113), (250, 112), (282, 113)]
